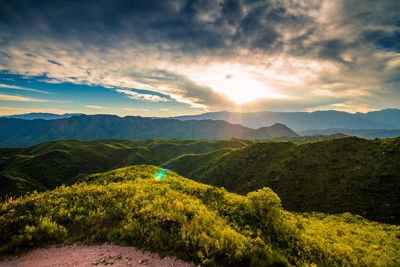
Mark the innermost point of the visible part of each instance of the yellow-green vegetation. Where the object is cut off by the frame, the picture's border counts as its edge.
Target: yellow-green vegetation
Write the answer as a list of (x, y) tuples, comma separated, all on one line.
[(193, 221), (364, 240)]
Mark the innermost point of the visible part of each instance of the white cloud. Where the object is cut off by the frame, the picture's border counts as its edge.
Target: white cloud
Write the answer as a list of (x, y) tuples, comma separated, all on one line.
[(22, 88), (146, 97), (21, 98), (94, 106)]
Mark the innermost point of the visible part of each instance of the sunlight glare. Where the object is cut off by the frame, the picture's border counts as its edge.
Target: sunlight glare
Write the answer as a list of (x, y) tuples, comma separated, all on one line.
[(240, 86)]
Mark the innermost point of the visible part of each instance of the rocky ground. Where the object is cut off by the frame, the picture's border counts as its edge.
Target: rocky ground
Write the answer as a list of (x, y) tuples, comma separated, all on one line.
[(104, 255)]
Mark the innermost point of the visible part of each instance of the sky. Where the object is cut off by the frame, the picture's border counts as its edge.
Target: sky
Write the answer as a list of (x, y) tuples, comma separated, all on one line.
[(177, 57)]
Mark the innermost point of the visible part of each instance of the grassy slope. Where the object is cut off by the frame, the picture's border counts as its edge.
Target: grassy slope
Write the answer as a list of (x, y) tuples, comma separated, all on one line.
[(309, 138), (194, 221), (50, 164), (345, 174)]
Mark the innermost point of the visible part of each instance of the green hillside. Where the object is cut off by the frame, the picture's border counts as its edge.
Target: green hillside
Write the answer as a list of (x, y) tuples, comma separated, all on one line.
[(50, 164), (150, 208), (53, 163), (335, 176), (309, 138)]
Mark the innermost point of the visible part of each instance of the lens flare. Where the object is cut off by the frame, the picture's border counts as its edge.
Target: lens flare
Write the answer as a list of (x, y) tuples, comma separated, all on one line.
[(159, 175)]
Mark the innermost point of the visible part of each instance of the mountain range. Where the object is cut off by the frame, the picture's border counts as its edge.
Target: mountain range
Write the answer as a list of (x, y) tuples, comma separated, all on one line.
[(19, 132), (301, 121), (375, 124), (298, 121), (43, 116)]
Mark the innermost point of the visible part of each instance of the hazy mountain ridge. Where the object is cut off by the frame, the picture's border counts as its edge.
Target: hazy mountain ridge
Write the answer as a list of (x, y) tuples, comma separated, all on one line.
[(376, 124), (18, 132), (389, 116), (43, 116), (301, 121), (364, 133)]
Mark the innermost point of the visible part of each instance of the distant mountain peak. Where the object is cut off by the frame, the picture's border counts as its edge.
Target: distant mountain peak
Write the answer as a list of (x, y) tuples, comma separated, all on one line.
[(279, 125)]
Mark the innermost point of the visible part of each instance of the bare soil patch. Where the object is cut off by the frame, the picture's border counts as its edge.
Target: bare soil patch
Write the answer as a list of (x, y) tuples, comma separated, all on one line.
[(104, 255)]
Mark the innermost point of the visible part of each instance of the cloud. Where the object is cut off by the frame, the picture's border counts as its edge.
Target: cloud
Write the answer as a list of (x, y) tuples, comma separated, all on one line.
[(4, 97), (182, 89), (54, 62), (146, 97), (94, 106), (2, 85), (346, 50)]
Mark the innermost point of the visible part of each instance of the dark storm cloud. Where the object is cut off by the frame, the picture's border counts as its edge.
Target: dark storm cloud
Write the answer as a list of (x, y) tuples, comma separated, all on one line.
[(382, 39), (196, 26), (192, 26), (385, 12), (332, 49), (378, 22)]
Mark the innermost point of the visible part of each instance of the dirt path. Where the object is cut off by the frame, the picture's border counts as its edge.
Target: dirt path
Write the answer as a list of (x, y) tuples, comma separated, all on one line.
[(105, 255)]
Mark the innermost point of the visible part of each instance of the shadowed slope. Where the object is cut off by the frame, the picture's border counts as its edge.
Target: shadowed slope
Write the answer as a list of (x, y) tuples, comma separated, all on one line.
[(49, 164), (339, 175)]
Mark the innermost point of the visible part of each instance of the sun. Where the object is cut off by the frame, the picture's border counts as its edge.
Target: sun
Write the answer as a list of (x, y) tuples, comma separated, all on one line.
[(240, 86)]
